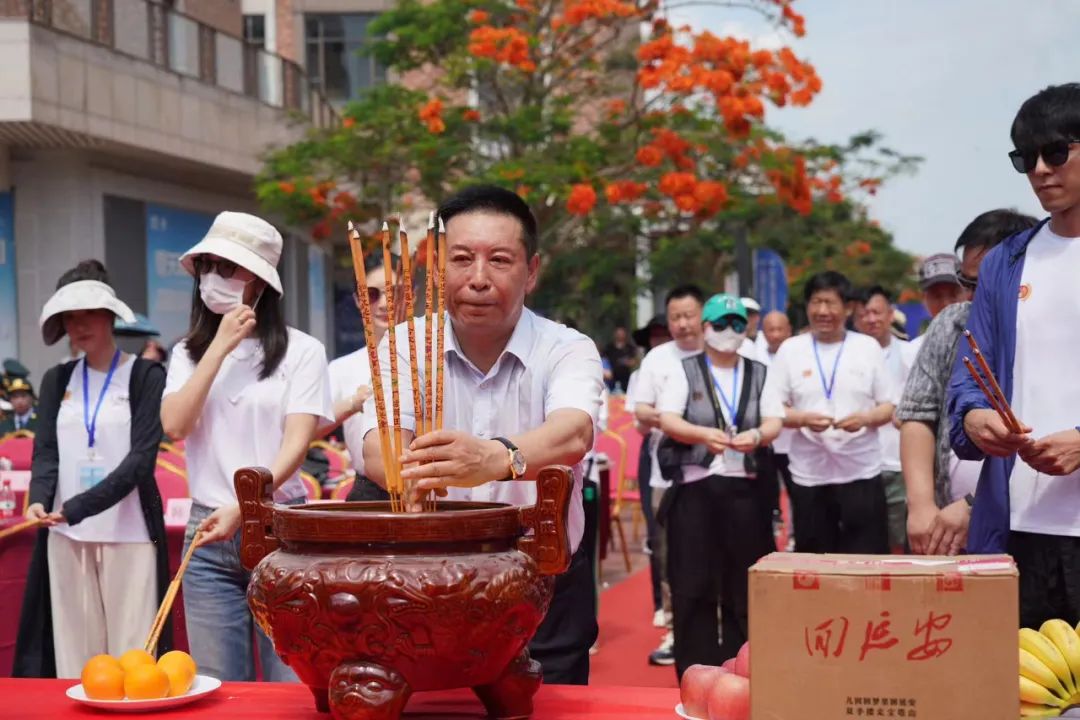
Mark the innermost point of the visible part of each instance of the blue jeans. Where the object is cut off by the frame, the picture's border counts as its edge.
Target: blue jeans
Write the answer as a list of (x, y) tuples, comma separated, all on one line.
[(220, 626)]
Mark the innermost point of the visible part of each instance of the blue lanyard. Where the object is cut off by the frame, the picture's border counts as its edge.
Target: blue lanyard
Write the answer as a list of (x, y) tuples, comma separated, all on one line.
[(821, 371), (91, 423), (733, 406)]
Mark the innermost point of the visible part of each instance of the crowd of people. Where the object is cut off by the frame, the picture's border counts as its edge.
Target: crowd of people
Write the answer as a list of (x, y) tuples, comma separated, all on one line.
[(878, 443)]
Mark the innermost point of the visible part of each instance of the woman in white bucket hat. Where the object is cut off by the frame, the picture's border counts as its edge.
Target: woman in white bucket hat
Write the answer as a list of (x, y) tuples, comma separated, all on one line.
[(243, 389), (100, 565)]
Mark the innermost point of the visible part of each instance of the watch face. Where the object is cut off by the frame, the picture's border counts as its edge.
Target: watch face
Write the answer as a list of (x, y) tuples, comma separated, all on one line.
[(517, 463)]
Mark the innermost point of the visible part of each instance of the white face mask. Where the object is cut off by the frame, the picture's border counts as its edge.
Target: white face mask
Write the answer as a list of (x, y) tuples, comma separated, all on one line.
[(726, 340), (220, 295)]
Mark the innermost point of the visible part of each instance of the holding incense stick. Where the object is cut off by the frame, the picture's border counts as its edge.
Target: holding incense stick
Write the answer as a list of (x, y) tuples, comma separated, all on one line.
[(990, 387)]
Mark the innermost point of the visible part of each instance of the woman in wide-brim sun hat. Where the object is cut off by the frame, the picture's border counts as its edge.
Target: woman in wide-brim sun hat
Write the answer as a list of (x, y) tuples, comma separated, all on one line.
[(243, 390), (100, 565)]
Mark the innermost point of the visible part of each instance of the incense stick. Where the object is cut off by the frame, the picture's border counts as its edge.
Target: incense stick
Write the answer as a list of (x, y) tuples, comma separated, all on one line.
[(395, 397), (170, 597), (14, 529), (440, 358), (414, 365), (985, 390), (429, 297), (1003, 404), (373, 356)]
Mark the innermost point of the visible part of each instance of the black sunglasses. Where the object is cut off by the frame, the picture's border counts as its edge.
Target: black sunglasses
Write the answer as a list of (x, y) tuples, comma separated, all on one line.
[(1054, 154), (375, 293), (968, 283), (207, 263), (729, 321)]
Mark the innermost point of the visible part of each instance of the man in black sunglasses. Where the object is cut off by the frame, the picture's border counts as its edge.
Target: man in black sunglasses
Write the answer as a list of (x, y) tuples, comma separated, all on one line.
[(1026, 318)]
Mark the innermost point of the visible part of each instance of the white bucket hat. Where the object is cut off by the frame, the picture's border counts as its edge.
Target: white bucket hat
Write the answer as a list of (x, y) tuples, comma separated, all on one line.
[(79, 295), (249, 241)]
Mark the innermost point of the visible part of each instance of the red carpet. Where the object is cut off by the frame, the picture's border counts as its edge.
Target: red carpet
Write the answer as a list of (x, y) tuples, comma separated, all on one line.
[(627, 637)]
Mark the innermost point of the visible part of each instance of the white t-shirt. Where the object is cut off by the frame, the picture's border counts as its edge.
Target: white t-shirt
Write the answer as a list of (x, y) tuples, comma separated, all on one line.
[(782, 444), (1044, 393), (898, 364), (660, 363), (347, 374), (749, 349), (243, 420), (124, 521), (832, 457), (963, 476), (674, 397)]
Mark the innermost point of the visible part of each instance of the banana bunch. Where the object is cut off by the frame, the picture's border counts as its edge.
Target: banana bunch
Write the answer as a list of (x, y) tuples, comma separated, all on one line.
[(1049, 669)]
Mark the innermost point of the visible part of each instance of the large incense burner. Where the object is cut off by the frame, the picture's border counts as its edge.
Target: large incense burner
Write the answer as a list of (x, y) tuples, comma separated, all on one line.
[(368, 605)]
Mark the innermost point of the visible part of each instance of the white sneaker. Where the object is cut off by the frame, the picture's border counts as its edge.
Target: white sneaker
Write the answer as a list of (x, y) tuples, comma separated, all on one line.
[(659, 618)]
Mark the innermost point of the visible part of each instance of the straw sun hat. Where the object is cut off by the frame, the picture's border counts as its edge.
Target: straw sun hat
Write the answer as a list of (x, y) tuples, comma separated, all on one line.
[(249, 241)]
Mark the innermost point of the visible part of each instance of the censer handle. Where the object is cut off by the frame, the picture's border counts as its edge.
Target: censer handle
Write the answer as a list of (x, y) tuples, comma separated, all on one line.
[(255, 491), (549, 544)]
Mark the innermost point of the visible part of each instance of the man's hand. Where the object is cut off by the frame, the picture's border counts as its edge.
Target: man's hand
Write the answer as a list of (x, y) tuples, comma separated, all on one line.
[(236, 325), (716, 440), (948, 535), (853, 423), (919, 522), (816, 421), (221, 524), (449, 458), (747, 441), (1056, 454), (987, 430)]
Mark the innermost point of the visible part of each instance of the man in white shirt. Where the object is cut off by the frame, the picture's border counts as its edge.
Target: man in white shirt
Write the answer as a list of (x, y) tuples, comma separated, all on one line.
[(875, 320), (683, 306), (832, 386), (521, 393), (350, 387)]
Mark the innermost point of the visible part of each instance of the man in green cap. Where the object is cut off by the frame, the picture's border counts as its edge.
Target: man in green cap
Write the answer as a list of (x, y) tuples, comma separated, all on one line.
[(718, 522)]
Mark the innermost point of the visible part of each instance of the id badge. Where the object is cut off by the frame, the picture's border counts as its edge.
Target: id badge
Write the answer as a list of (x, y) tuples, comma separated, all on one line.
[(733, 459), (91, 471)]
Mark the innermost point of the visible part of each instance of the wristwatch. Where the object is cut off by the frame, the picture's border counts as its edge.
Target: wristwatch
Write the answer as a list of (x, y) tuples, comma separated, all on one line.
[(517, 460), (970, 500)]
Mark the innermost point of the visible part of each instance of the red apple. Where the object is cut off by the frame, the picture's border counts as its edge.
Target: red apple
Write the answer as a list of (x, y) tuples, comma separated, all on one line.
[(729, 698), (742, 661), (694, 689), (729, 665)]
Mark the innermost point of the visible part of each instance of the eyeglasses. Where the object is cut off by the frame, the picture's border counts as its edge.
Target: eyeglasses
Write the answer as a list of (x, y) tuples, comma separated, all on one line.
[(208, 263), (1054, 154), (968, 283), (729, 321)]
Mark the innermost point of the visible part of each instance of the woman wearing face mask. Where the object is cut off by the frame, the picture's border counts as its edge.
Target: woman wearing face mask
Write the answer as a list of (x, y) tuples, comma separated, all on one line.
[(100, 566), (716, 517), (242, 389)]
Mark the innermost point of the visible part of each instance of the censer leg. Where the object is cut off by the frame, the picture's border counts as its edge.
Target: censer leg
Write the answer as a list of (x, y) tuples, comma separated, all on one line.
[(367, 691), (322, 699), (510, 697)]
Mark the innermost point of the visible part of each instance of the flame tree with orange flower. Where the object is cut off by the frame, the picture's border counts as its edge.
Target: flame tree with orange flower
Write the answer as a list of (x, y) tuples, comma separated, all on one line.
[(615, 138)]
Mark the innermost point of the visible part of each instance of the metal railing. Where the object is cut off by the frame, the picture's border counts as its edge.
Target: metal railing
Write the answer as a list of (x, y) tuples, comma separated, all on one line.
[(150, 31)]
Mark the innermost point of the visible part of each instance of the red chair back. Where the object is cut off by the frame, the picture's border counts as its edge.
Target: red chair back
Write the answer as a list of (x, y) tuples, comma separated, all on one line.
[(171, 481), (18, 447), (341, 492)]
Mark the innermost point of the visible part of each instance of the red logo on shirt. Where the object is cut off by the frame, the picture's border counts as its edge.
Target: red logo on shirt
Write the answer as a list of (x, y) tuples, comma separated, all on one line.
[(1025, 291), (807, 372)]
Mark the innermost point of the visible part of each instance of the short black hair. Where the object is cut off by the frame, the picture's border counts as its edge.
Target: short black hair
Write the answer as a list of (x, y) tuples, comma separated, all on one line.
[(993, 226), (865, 295), (1050, 115), (827, 280), (85, 270), (681, 291), (494, 199)]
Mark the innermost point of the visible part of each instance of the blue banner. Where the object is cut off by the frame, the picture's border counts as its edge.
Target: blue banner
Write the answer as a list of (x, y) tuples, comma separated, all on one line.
[(917, 318), (9, 296), (317, 320), (169, 233), (770, 281)]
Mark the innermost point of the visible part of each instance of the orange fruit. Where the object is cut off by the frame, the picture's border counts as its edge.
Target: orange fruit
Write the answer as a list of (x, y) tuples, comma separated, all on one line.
[(180, 667), (146, 682), (103, 678), (133, 658)]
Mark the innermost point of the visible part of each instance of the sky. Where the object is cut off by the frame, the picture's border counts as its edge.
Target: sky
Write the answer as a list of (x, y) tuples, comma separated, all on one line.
[(941, 79)]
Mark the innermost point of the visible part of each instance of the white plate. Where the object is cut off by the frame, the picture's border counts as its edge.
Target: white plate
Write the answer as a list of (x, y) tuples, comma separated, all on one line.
[(683, 714), (203, 685)]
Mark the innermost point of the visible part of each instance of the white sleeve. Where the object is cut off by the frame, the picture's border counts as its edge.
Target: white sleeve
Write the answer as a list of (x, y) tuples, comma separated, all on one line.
[(337, 372), (674, 394), (885, 389), (575, 379), (405, 398), (181, 368), (643, 384), (308, 391), (776, 394)]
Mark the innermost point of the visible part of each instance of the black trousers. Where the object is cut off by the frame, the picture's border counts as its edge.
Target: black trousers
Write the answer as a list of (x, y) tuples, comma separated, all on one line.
[(561, 644), (1049, 577), (644, 473), (847, 518), (716, 529), (365, 489)]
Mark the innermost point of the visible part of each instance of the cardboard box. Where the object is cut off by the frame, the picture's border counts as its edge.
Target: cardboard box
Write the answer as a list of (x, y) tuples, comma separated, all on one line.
[(854, 636)]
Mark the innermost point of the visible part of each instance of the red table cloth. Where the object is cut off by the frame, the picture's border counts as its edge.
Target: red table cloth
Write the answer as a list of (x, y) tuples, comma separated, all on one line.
[(27, 699)]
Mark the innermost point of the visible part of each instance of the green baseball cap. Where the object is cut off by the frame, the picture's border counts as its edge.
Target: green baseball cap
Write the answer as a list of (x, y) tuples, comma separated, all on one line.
[(721, 305)]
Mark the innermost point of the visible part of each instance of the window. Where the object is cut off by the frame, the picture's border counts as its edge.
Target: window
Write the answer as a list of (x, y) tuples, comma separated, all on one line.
[(335, 61), (255, 30)]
